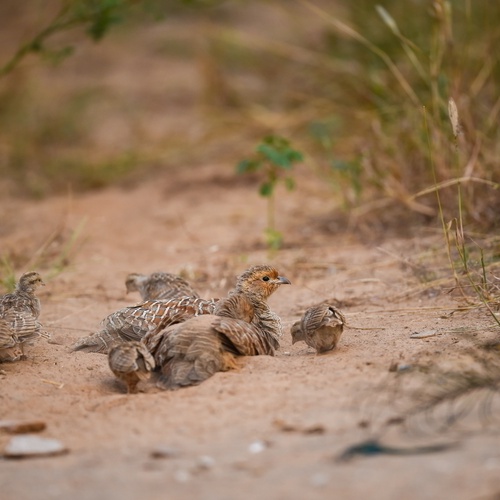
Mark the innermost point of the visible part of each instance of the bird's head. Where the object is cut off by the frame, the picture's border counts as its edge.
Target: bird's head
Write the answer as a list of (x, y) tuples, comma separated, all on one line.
[(297, 332), (260, 281), (30, 281), (134, 281)]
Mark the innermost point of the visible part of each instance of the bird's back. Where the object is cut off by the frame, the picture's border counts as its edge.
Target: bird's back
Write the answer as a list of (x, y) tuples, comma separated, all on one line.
[(190, 352), (20, 301), (143, 322), (322, 326), (160, 286)]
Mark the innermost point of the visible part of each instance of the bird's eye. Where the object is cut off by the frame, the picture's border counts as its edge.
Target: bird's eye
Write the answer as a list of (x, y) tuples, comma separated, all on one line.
[(265, 278)]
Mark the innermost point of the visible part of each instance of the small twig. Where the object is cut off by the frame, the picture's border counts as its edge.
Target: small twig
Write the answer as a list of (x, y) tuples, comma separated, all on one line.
[(59, 385)]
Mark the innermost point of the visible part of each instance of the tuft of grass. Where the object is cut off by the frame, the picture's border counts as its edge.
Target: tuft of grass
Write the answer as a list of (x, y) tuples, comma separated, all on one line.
[(7, 274), (455, 235), (51, 258)]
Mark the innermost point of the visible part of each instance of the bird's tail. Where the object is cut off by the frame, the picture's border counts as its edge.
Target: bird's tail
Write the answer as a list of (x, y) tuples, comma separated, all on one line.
[(101, 342)]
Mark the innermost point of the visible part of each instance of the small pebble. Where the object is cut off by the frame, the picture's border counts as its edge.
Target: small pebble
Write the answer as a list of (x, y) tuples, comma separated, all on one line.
[(424, 334), (257, 447), (205, 462), (182, 475), (29, 445), (165, 452), (319, 479), (22, 426)]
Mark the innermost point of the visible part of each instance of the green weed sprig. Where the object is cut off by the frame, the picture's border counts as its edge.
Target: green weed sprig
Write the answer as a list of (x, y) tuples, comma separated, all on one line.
[(273, 160)]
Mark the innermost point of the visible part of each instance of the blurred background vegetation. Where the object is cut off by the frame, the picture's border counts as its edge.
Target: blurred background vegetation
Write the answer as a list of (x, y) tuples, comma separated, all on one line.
[(361, 89)]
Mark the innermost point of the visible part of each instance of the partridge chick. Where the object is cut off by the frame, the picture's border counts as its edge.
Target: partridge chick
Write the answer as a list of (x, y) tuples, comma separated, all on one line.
[(159, 286), (320, 327), (243, 325), (134, 322), (19, 312), (131, 362)]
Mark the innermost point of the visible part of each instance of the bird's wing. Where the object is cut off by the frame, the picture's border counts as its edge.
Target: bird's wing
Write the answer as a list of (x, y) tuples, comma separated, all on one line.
[(7, 339), (319, 316), (189, 353), (23, 324), (236, 306), (240, 337), (152, 316)]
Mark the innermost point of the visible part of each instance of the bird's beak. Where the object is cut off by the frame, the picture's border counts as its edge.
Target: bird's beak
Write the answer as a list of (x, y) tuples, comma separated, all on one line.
[(284, 281)]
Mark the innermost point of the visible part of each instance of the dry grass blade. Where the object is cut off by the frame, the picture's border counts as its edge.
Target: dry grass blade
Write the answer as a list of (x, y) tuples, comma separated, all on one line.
[(453, 114), (59, 385), (355, 35)]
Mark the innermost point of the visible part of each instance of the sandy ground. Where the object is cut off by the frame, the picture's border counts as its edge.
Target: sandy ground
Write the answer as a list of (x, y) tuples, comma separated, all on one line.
[(275, 427)]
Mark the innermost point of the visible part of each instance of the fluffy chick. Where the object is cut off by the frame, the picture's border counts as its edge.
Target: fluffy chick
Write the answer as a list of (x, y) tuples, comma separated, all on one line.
[(320, 328), (19, 312), (131, 362)]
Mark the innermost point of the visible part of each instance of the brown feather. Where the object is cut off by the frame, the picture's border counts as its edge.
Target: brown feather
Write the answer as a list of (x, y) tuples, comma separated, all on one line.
[(131, 362)]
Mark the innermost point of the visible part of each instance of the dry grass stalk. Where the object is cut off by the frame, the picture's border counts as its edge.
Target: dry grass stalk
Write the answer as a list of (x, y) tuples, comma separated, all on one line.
[(453, 114)]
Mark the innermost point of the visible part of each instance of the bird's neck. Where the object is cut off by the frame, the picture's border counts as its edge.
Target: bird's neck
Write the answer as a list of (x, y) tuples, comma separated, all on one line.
[(25, 291)]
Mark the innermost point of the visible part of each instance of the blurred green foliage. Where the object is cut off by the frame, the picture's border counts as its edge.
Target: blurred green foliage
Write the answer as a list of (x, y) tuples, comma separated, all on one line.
[(273, 162), (348, 83)]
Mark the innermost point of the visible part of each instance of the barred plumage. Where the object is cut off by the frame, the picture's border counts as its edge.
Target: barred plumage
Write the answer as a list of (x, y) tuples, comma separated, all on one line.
[(320, 328), (134, 322), (131, 362), (23, 298), (159, 286), (19, 312), (9, 346), (243, 325)]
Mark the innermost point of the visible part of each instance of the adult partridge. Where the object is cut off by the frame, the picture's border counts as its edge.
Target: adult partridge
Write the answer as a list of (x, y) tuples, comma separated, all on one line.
[(19, 312), (134, 322), (131, 362), (159, 286), (320, 328), (243, 325)]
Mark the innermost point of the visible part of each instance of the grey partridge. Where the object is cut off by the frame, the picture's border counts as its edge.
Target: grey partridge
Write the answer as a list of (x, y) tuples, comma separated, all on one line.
[(159, 286), (320, 328), (243, 325), (19, 312), (131, 362), (134, 322)]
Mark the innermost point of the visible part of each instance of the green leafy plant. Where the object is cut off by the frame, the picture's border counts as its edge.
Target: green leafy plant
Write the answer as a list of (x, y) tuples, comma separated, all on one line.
[(96, 16), (273, 160)]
